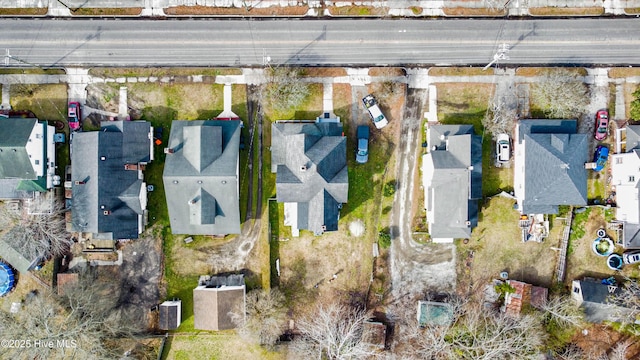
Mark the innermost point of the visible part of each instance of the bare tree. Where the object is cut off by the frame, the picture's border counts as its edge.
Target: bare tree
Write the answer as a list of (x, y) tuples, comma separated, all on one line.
[(501, 118), (628, 301), (560, 94), (563, 311), (570, 352), (332, 331), (38, 229), (484, 336), (284, 89), (265, 316), (85, 323)]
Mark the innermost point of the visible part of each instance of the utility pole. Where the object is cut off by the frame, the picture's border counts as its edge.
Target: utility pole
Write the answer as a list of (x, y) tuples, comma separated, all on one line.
[(501, 54)]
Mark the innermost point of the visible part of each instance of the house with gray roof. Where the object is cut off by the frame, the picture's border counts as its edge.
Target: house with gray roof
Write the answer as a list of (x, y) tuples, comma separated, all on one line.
[(625, 177), (27, 157), (310, 162), (549, 166), (595, 298), (201, 177), (109, 194), (217, 300), (452, 181)]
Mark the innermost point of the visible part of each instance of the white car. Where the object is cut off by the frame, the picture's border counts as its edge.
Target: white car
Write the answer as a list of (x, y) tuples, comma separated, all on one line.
[(503, 148), (379, 120)]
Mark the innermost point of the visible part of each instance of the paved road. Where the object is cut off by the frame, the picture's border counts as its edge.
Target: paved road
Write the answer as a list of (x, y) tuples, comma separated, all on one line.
[(57, 42)]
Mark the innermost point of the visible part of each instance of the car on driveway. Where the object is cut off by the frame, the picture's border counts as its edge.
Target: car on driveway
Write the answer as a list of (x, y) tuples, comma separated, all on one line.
[(362, 155), (600, 157), (379, 120), (602, 125), (631, 257), (503, 149), (73, 115)]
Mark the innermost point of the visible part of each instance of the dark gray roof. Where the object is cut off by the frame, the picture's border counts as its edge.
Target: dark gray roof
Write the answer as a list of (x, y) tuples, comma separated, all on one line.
[(554, 165), (597, 302), (310, 163), (107, 198), (633, 137), (169, 316), (14, 159), (631, 235), (201, 177), (10, 253), (455, 187)]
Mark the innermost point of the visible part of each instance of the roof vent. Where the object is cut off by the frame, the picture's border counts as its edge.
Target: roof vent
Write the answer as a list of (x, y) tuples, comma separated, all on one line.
[(443, 137), (303, 168), (78, 182), (106, 212), (103, 158), (468, 223), (324, 227), (175, 181)]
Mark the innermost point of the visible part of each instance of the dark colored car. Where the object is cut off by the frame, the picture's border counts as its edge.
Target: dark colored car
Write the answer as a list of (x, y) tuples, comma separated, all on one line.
[(73, 115), (600, 157), (602, 125), (362, 155), (631, 257)]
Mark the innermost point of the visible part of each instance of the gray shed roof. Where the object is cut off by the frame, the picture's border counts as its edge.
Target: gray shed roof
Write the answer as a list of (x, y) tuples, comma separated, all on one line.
[(633, 137), (554, 165), (106, 198), (596, 301), (310, 163), (201, 177), (11, 254), (456, 182), (631, 235), (14, 159)]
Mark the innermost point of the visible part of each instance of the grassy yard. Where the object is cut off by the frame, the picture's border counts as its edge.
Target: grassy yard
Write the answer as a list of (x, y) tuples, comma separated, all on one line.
[(220, 345)]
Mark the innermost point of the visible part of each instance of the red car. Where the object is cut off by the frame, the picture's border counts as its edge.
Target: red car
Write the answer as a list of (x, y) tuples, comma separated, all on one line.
[(73, 115), (602, 125)]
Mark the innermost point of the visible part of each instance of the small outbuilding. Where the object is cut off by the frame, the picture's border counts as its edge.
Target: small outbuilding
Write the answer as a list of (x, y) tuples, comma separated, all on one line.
[(216, 300), (170, 315)]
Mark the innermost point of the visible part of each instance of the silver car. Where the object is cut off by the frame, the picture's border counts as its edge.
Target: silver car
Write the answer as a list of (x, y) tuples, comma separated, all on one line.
[(503, 148), (362, 154)]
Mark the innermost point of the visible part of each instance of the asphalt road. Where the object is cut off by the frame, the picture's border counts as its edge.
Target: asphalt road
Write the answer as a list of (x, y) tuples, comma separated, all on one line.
[(208, 42)]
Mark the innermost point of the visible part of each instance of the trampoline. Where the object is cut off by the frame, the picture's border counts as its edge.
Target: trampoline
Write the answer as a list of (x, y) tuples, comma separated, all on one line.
[(7, 279)]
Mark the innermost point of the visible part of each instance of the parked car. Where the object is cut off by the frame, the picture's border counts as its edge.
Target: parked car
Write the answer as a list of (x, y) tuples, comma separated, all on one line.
[(503, 148), (631, 257), (73, 115), (602, 125), (600, 157), (362, 155), (379, 120)]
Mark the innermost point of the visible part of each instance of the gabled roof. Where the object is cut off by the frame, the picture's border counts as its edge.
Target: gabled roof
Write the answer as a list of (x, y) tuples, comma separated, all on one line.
[(633, 137), (11, 254), (14, 159), (554, 158), (310, 163), (215, 300), (201, 177), (453, 180), (595, 298), (107, 198)]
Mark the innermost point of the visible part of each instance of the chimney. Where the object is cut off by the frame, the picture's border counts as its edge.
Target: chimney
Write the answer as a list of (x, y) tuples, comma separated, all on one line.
[(168, 150), (131, 166), (106, 212), (192, 201), (78, 182)]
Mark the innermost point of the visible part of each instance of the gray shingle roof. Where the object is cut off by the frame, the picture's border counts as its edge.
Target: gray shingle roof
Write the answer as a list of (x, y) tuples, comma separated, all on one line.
[(633, 137), (107, 198), (310, 163), (14, 159), (10, 253), (201, 177), (454, 188), (554, 158), (597, 302)]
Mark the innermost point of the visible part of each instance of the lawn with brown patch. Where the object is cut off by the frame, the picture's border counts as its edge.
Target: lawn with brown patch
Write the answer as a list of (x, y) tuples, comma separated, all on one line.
[(246, 11), (161, 72), (540, 71), (219, 345), (566, 11), (628, 89), (358, 10), (386, 71), (46, 101), (459, 71), (24, 11), (623, 72), (323, 72), (497, 246), (133, 11), (465, 11)]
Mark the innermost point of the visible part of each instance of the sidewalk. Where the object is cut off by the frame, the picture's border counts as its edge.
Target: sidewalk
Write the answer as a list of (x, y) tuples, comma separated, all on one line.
[(416, 8)]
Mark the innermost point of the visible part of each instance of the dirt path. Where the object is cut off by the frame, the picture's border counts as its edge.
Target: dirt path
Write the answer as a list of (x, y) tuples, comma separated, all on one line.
[(233, 255), (414, 267)]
